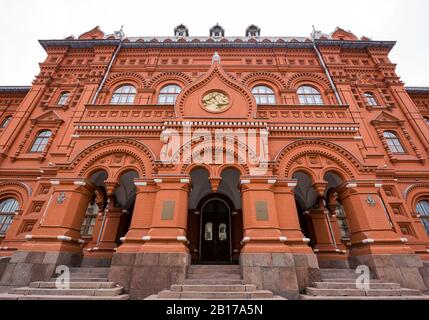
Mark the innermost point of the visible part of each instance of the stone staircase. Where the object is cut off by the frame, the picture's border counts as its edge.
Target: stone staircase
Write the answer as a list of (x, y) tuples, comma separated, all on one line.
[(340, 284), (86, 283), (214, 282)]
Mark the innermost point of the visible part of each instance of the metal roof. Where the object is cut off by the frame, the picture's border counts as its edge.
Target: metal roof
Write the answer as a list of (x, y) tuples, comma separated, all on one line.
[(417, 90), (14, 89)]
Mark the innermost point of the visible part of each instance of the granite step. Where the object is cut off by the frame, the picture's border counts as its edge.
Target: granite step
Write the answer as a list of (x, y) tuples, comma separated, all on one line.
[(208, 269), (67, 292), (213, 288), (216, 295), (84, 279), (61, 297), (214, 275), (89, 270), (352, 285), (74, 285), (212, 281)]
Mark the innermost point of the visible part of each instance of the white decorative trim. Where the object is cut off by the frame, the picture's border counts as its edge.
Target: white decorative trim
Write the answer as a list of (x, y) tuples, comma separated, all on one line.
[(28, 237), (418, 216), (344, 251), (316, 250), (404, 240), (245, 181), (292, 184), (234, 213), (427, 251), (140, 184), (273, 181), (358, 137), (246, 239), (337, 250), (122, 239), (64, 238), (368, 241), (79, 183), (81, 241), (184, 180), (182, 239), (352, 185), (378, 185), (146, 238), (157, 180), (306, 240), (306, 213), (75, 136), (55, 182), (283, 239)]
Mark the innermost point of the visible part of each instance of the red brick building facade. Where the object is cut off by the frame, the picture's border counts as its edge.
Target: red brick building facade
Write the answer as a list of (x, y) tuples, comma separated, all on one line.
[(88, 176)]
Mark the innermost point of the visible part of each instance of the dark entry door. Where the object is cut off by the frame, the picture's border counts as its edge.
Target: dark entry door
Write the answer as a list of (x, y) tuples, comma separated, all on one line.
[(215, 233)]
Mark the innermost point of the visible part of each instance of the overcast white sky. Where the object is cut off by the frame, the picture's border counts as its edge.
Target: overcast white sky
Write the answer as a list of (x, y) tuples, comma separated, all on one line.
[(23, 22)]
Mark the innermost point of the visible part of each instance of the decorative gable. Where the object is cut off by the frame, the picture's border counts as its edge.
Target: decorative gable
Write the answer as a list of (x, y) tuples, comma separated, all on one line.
[(341, 34), (385, 118), (95, 33), (216, 94), (48, 118)]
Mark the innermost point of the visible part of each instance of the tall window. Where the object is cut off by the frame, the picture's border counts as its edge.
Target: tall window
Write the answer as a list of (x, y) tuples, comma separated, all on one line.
[(427, 120), (7, 211), (423, 210), (90, 219), (41, 141), (342, 221), (370, 99), (309, 95), (124, 95), (5, 122), (64, 98), (264, 95), (168, 94), (393, 142)]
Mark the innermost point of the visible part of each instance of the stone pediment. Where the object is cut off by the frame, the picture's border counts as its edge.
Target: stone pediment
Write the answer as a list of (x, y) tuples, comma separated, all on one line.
[(216, 95), (50, 117), (386, 118)]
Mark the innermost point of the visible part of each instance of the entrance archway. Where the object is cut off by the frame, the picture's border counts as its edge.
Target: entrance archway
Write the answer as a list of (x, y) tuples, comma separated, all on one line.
[(215, 231), (215, 221)]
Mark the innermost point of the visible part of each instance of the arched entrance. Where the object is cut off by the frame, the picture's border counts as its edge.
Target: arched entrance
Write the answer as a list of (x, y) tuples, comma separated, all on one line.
[(215, 231), (215, 221)]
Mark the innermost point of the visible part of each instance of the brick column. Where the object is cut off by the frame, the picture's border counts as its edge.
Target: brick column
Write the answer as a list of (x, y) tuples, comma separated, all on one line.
[(374, 242), (154, 254), (265, 259), (142, 216)]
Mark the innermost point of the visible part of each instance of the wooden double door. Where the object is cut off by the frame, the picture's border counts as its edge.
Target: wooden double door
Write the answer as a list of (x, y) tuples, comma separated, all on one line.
[(215, 235)]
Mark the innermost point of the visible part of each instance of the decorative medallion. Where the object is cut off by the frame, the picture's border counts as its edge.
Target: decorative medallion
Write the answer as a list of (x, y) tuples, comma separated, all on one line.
[(215, 101)]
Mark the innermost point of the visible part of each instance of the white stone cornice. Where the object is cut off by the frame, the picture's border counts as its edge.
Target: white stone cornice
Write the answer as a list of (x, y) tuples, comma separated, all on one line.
[(182, 239), (366, 241), (80, 183), (245, 181), (55, 182), (292, 184), (140, 184), (157, 180), (272, 181), (352, 185), (64, 238), (146, 238), (306, 240), (184, 180), (283, 239), (378, 185)]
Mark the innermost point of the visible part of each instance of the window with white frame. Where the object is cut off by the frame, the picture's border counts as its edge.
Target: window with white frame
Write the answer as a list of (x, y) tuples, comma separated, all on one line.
[(264, 95), (8, 208), (309, 95), (423, 210), (64, 98), (168, 94), (89, 220), (370, 99), (41, 141), (393, 142), (124, 95)]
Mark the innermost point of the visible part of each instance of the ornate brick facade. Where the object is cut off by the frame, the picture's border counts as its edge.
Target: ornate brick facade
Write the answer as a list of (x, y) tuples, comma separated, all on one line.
[(346, 180)]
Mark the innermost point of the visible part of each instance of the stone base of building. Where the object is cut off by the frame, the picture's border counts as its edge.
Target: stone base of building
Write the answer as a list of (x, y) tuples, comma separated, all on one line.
[(404, 269), (271, 271), (96, 262), (334, 264), (144, 274), (28, 266), (307, 270), (425, 274)]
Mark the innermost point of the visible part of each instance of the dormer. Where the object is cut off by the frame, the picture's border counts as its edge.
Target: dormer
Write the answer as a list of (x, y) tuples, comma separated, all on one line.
[(341, 34), (181, 31), (217, 31), (253, 31), (95, 33)]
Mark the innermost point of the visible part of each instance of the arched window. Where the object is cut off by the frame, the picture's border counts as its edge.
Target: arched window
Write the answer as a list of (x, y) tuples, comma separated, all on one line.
[(64, 98), (90, 219), (393, 142), (6, 121), (41, 141), (124, 95), (309, 95), (168, 94), (370, 99), (264, 95), (7, 211), (423, 210)]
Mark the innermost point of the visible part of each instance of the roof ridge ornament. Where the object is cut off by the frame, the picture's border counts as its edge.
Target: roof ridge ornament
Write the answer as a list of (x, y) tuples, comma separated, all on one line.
[(216, 58)]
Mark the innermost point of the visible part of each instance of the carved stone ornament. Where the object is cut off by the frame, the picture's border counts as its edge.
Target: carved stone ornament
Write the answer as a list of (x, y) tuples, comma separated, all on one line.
[(215, 101)]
